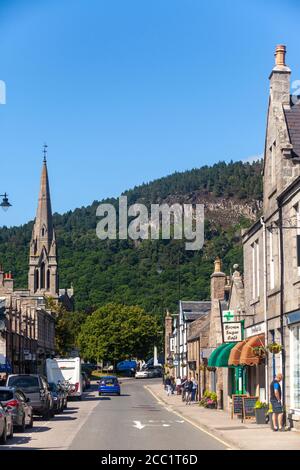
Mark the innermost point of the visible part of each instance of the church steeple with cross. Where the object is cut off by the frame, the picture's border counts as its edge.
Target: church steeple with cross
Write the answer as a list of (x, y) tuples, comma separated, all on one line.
[(43, 278)]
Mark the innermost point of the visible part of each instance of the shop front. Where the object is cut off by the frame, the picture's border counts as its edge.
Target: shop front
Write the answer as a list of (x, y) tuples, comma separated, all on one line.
[(248, 356), (293, 321)]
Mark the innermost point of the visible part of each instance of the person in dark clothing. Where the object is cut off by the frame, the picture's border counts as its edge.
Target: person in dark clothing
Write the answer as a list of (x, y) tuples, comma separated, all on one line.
[(189, 391), (275, 400), (168, 385)]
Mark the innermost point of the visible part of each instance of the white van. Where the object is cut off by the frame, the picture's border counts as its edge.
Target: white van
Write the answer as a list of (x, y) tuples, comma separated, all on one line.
[(66, 370)]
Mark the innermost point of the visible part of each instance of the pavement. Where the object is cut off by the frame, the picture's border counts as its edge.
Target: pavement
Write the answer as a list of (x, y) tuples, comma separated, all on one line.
[(237, 435), (135, 420)]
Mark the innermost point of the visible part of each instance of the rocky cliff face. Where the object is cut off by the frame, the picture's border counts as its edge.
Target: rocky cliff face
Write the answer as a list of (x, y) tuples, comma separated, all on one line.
[(220, 210)]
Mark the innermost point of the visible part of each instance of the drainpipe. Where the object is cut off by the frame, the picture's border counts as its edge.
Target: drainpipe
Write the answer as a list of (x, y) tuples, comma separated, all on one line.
[(265, 303), (282, 302)]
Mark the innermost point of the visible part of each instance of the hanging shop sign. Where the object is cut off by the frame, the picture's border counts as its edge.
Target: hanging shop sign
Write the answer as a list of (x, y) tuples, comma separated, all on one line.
[(232, 332), (228, 315)]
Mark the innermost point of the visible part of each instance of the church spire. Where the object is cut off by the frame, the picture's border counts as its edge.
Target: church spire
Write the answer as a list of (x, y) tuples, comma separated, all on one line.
[(43, 257), (43, 227)]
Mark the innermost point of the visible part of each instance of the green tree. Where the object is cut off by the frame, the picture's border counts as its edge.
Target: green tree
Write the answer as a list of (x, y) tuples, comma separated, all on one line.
[(116, 332)]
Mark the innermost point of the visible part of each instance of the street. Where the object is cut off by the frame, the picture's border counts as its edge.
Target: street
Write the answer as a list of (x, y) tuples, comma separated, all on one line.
[(133, 421)]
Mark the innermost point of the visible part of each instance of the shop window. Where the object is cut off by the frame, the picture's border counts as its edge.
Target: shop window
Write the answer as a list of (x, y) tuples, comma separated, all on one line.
[(295, 367)]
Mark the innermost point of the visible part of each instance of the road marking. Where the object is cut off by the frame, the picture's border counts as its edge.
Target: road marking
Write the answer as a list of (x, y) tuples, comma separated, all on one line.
[(139, 425), (229, 447)]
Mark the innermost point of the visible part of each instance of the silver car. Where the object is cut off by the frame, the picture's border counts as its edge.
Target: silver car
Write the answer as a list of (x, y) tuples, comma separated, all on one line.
[(36, 388), (6, 424), (19, 405)]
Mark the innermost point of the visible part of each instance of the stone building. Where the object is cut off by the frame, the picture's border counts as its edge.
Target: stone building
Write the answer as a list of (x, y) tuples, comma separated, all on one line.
[(27, 330), (272, 246)]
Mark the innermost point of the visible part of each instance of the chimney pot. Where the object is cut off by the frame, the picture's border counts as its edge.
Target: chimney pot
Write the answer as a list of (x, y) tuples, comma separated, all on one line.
[(280, 55)]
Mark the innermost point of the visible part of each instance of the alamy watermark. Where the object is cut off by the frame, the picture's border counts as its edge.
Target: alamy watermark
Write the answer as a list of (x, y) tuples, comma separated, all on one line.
[(178, 221), (2, 92)]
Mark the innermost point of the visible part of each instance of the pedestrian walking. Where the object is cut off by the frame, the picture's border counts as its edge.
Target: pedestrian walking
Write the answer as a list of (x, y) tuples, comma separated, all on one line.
[(183, 389), (173, 385), (275, 399), (168, 385), (194, 389), (189, 389), (178, 385)]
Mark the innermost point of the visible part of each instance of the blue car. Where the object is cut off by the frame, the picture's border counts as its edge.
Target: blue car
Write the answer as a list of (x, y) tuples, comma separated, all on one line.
[(109, 385)]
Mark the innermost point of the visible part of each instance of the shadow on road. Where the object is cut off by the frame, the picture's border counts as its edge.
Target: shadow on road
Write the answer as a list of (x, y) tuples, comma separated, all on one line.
[(63, 418)]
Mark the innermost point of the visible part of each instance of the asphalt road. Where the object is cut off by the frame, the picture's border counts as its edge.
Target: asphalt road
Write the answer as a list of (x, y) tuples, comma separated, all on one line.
[(134, 421)]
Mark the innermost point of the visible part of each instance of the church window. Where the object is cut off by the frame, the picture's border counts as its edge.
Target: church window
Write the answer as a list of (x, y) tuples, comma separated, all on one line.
[(36, 280), (48, 278), (43, 276)]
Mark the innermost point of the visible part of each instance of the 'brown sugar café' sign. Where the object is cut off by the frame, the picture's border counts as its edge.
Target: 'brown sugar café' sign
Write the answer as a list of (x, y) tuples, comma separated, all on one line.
[(232, 332)]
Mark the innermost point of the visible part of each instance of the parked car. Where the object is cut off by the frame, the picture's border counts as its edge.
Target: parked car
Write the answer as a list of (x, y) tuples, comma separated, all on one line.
[(6, 424), (88, 368), (64, 390), (155, 371), (19, 406), (36, 388), (142, 374), (85, 381), (127, 367), (58, 397), (109, 385)]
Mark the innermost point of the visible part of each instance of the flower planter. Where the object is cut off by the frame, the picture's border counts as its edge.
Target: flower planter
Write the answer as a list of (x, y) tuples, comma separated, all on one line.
[(260, 415)]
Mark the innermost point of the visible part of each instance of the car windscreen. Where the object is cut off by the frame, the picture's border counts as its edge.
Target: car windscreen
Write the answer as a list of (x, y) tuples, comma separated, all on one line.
[(28, 384), (6, 395), (108, 382)]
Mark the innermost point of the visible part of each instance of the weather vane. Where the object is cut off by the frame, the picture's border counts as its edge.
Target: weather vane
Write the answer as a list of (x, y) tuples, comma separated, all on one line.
[(45, 152)]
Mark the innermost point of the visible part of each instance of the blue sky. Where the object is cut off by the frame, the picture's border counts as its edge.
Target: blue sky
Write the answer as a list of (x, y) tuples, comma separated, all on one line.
[(124, 92)]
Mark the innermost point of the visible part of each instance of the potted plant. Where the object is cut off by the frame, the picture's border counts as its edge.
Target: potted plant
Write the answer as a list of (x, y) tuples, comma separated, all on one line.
[(274, 348), (260, 412), (209, 400), (259, 351), (211, 369)]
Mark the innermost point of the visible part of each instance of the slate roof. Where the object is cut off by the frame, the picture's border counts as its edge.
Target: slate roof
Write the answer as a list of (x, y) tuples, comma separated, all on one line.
[(192, 310), (292, 116)]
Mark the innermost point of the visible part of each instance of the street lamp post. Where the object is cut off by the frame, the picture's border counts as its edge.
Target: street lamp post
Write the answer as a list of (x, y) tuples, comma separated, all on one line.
[(5, 204)]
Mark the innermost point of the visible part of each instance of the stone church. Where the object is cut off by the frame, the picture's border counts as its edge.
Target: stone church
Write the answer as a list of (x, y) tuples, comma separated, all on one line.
[(27, 329)]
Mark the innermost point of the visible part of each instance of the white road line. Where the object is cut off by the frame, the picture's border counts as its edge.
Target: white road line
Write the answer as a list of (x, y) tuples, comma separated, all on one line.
[(230, 447)]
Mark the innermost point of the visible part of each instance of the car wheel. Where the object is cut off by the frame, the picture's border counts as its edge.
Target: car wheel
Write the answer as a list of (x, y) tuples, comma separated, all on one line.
[(119, 393), (3, 438), (99, 394)]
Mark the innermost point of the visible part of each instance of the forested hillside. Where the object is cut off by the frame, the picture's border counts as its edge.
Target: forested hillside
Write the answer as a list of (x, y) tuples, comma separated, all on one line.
[(154, 274)]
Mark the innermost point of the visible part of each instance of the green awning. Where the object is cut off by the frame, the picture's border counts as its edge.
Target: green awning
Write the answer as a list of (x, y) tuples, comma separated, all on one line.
[(219, 357)]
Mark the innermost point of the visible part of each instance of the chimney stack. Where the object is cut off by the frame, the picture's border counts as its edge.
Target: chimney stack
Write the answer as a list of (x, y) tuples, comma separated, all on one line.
[(280, 55), (218, 280), (280, 78)]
